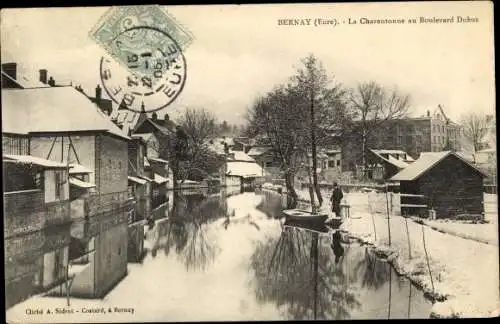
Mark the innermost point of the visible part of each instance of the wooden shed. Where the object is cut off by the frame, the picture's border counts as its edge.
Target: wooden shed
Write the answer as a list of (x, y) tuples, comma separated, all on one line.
[(447, 183)]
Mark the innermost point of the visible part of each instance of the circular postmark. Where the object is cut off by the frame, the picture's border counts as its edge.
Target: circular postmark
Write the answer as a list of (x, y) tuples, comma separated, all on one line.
[(148, 72)]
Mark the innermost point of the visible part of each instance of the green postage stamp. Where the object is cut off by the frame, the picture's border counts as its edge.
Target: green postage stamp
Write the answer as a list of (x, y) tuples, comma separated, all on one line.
[(119, 20)]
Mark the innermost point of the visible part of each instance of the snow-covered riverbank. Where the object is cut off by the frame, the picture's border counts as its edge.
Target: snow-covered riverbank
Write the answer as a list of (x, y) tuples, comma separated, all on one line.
[(465, 272)]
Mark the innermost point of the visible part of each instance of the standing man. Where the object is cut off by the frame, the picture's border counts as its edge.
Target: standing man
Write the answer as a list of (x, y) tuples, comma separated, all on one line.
[(336, 198)]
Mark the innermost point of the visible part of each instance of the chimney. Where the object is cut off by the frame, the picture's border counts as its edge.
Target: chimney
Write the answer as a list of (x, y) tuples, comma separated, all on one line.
[(43, 76), (155, 116), (167, 117), (51, 82), (10, 69), (98, 92), (428, 113)]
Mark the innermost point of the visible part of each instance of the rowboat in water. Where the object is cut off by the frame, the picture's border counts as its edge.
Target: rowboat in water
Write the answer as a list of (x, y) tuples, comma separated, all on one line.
[(299, 215), (308, 226)]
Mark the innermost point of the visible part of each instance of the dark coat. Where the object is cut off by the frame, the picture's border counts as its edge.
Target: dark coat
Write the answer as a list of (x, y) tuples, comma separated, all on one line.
[(337, 196)]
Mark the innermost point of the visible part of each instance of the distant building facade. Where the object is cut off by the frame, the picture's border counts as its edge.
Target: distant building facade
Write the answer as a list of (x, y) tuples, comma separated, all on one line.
[(431, 133)]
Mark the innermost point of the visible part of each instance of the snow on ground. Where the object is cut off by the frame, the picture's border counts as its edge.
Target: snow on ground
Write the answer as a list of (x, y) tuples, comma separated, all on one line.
[(484, 233), (464, 271)]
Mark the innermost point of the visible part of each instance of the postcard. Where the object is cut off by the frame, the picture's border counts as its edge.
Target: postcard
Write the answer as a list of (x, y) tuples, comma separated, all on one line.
[(315, 161)]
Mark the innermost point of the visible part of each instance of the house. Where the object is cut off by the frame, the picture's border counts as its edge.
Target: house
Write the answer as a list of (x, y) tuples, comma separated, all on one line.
[(449, 184), (106, 105), (383, 164), (15, 76), (156, 170), (264, 156), (433, 132), (82, 135), (140, 187), (242, 170), (36, 225)]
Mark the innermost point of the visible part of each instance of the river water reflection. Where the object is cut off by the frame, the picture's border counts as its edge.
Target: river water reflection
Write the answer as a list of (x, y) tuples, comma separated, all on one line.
[(229, 258)]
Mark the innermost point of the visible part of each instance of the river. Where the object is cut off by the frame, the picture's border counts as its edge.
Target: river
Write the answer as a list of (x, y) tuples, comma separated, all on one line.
[(228, 258)]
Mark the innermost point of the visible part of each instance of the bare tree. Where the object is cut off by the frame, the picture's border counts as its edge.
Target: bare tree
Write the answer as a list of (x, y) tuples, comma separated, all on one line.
[(278, 117), (324, 100), (191, 158), (475, 127), (292, 116), (199, 125), (372, 106)]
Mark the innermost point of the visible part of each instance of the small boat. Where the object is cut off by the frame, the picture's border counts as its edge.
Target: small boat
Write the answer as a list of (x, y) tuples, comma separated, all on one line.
[(299, 215), (334, 222), (311, 227)]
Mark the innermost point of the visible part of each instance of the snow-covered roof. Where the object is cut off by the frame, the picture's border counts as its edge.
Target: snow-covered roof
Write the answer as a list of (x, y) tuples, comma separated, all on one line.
[(146, 136), (258, 150), (245, 169), (52, 109), (389, 152), (25, 78), (390, 159), (157, 160), (29, 159), (400, 164), (242, 156), (78, 169), (137, 180), (80, 183), (426, 161), (159, 179)]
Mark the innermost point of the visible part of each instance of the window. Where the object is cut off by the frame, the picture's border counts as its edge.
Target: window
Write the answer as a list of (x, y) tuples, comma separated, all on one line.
[(338, 163), (39, 180), (58, 185), (331, 163)]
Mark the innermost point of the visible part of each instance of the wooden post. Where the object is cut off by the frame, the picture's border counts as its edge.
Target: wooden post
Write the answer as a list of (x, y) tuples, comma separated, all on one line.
[(408, 236), (427, 258), (373, 218), (409, 300), (388, 214)]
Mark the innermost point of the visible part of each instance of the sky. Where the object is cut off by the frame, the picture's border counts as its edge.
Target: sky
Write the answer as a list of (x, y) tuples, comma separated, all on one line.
[(240, 52)]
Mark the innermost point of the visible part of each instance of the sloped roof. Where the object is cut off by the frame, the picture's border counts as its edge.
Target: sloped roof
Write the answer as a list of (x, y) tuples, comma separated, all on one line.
[(24, 79), (79, 183), (242, 156), (157, 160), (146, 136), (126, 119), (245, 169), (29, 159), (162, 129), (137, 180), (159, 179), (398, 163), (78, 169), (52, 109), (258, 150), (389, 151), (427, 161)]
